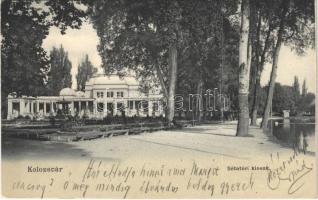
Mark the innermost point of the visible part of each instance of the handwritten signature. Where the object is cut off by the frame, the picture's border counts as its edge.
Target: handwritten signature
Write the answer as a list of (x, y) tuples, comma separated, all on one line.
[(291, 171)]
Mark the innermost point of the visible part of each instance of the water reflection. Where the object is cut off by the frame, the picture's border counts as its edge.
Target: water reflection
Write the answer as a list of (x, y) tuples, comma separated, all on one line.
[(294, 133)]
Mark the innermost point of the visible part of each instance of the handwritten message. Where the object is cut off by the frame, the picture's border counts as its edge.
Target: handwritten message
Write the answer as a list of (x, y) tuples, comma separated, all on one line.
[(100, 178), (291, 171)]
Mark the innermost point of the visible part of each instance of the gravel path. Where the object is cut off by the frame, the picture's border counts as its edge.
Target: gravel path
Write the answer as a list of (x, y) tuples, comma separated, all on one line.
[(192, 142)]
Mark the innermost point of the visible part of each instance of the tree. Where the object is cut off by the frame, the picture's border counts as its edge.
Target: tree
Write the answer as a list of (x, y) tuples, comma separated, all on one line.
[(84, 72), (296, 90), (59, 75), (274, 67), (261, 45), (297, 34), (304, 89), (151, 38), (24, 25), (130, 38), (283, 99), (23, 61), (209, 54), (306, 104), (295, 27), (244, 70)]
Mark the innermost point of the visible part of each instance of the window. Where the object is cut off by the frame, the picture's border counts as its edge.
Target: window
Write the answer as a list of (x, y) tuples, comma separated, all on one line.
[(41, 106), (120, 107), (91, 106), (100, 94), (155, 107), (120, 94), (100, 107), (16, 106), (145, 106), (110, 94), (110, 108), (137, 105), (131, 105)]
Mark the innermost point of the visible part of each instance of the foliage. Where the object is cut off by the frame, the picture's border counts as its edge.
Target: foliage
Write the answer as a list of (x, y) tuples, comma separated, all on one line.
[(136, 36), (296, 90), (284, 99), (59, 76), (84, 72), (295, 19), (24, 25), (65, 14), (304, 88), (23, 61), (306, 104), (294, 22)]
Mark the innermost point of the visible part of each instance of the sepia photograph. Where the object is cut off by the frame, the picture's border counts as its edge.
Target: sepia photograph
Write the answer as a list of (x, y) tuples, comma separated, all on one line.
[(158, 99)]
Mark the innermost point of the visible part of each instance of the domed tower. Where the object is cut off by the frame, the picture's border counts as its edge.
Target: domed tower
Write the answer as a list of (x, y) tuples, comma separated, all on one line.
[(66, 92)]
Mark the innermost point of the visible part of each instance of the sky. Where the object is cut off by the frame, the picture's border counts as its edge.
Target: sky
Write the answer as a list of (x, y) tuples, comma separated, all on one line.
[(78, 42)]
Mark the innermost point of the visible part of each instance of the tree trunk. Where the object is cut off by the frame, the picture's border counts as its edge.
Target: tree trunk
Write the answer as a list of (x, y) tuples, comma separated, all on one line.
[(163, 86), (271, 88), (256, 99), (173, 56), (256, 74), (260, 66), (244, 71), (272, 81), (162, 82)]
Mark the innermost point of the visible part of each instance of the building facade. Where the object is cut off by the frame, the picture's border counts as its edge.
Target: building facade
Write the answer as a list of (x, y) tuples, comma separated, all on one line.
[(104, 95)]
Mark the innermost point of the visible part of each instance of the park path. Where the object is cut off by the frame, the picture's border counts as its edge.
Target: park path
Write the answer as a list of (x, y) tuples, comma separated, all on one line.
[(217, 140)]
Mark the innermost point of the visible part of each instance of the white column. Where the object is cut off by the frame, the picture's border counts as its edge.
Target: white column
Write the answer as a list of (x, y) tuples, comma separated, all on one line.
[(149, 108), (126, 107), (160, 108), (94, 107), (72, 108), (44, 108), (32, 107), (21, 107), (37, 106), (105, 108), (115, 107), (26, 107), (10, 109)]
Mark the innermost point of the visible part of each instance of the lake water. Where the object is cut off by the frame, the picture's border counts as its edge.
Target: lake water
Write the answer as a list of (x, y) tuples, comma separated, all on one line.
[(299, 135)]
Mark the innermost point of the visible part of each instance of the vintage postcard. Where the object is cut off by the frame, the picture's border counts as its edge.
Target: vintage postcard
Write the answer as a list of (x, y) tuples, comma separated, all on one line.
[(158, 99)]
